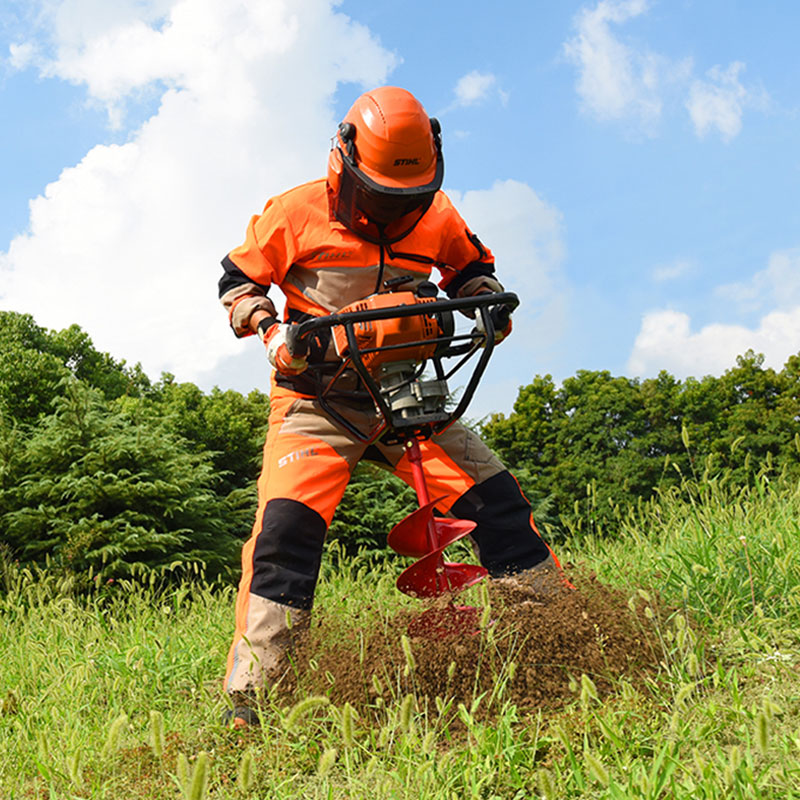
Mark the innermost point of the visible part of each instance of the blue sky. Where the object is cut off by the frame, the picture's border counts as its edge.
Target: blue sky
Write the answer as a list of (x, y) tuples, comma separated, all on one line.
[(634, 165)]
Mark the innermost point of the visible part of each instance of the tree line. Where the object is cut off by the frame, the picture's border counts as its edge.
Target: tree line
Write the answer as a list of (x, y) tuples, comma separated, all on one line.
[(598, 444), (105, 473)]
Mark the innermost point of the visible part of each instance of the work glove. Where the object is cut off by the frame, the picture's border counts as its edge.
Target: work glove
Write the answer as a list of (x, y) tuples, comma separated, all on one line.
[(274, 337), (501, 317)]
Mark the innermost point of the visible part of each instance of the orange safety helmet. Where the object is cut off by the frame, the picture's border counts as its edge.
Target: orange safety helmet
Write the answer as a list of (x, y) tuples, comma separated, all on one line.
[(385, 165)]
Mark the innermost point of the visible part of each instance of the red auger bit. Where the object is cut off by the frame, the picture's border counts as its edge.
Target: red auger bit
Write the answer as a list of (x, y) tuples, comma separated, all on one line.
[(425, 537)]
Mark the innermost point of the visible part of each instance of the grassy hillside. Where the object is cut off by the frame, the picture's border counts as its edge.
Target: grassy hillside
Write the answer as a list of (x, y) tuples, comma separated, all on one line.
[(118, 694)]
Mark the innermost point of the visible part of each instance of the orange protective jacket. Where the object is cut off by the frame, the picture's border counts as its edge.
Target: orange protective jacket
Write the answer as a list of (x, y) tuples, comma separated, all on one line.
[(321, 266)]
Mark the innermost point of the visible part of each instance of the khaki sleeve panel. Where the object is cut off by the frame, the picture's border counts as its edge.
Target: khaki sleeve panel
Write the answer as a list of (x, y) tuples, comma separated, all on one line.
[(478, 284), (270, 246), (241, 302)]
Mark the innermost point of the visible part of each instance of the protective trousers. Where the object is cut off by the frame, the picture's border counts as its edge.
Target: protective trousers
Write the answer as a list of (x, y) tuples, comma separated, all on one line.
[(308, 460)]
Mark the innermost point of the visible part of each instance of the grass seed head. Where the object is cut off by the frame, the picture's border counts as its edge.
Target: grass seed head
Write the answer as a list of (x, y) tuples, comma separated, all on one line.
[(114, 735), (197, 788), (762, 732), (596, 768), (157, 733), (299, 710), (326, 762), (588, 690), (348, 714), (74, 767), (182, 771), (684, 692), (411, 663), (692, 664), (546, 784), (405, 713), (246, 778)]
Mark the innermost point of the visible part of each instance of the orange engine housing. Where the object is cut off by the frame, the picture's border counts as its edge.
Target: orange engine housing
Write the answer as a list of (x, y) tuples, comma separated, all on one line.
[(419, 328)]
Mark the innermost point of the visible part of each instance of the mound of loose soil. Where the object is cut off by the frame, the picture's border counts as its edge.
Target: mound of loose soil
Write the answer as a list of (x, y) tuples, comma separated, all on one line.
[(589, 629)]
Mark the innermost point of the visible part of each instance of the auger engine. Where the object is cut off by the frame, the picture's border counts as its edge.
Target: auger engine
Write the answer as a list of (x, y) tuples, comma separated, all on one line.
[(394, 350)]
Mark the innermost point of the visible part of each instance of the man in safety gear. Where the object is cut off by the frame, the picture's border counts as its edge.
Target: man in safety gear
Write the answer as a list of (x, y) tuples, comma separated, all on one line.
[(379, 215)]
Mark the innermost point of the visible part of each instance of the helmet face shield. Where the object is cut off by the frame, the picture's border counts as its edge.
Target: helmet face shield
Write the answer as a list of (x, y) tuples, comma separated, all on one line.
[(376, 212)]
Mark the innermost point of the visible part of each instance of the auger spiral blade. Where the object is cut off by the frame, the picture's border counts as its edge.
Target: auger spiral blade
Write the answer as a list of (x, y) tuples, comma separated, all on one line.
[(411, 536)]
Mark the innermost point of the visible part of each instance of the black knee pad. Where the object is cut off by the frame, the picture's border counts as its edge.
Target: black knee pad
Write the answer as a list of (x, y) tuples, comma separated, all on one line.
[(507, 541), (287, 553)]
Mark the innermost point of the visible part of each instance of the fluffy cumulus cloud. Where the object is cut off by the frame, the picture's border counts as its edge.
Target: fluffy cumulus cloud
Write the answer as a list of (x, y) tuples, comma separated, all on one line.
[(666, 339), (128, 242), (526, 236), (624, 80), (718, 102)]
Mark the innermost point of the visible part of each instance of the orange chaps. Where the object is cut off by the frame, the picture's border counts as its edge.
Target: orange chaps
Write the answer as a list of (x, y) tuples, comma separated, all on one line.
[(307, 464)]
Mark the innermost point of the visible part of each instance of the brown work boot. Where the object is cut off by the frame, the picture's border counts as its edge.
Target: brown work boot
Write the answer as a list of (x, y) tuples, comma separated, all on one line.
[(243, 714)]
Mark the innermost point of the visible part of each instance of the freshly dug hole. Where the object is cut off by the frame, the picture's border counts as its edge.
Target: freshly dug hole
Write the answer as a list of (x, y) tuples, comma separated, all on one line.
[(588, 630)]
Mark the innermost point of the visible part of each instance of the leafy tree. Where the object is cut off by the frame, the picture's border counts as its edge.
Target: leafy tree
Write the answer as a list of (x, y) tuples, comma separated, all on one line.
[(91, 489), (33, 361), (227, 424), (598, 443)]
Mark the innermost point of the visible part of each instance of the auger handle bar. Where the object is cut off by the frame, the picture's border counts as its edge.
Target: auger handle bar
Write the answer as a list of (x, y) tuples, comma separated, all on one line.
[(297, 335), (494, 309)]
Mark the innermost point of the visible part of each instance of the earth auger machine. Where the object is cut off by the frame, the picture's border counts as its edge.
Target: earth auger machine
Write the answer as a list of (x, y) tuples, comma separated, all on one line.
[(389, 340)]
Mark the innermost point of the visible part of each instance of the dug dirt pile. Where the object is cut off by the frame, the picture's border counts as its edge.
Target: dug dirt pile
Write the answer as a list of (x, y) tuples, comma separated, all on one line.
[(534, 650)]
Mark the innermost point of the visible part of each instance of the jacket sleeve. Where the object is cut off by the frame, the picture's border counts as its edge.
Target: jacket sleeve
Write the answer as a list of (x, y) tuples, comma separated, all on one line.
[(250, 269), (467, 265)]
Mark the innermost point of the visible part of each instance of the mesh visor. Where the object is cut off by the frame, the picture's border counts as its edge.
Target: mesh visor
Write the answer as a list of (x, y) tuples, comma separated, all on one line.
[(382, 214)]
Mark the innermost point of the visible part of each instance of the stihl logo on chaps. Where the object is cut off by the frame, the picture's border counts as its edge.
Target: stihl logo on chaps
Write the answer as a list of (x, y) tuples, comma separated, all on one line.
[(296, 456), (406, 162)]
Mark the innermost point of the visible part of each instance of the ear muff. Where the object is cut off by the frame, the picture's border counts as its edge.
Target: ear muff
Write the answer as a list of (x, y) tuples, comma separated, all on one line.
[(436, 128), (347, 131)]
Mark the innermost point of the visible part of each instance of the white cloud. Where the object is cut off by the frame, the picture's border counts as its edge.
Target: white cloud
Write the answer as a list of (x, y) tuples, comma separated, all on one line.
[(474, 87), (615, 80), (526, 236), (620, 80), (719, 102), (778, 285), (672, 271), (127, 243), (21, 55), (666, 341)]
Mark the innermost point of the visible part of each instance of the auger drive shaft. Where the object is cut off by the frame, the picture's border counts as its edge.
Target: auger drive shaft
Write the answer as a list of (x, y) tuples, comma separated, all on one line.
[(422, 535)]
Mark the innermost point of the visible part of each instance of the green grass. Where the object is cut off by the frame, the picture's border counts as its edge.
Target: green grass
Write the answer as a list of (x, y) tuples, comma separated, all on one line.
[(118, 693)]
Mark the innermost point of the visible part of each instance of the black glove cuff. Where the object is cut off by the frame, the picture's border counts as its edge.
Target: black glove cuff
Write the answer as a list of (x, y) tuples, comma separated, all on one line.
[(266, 324)]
